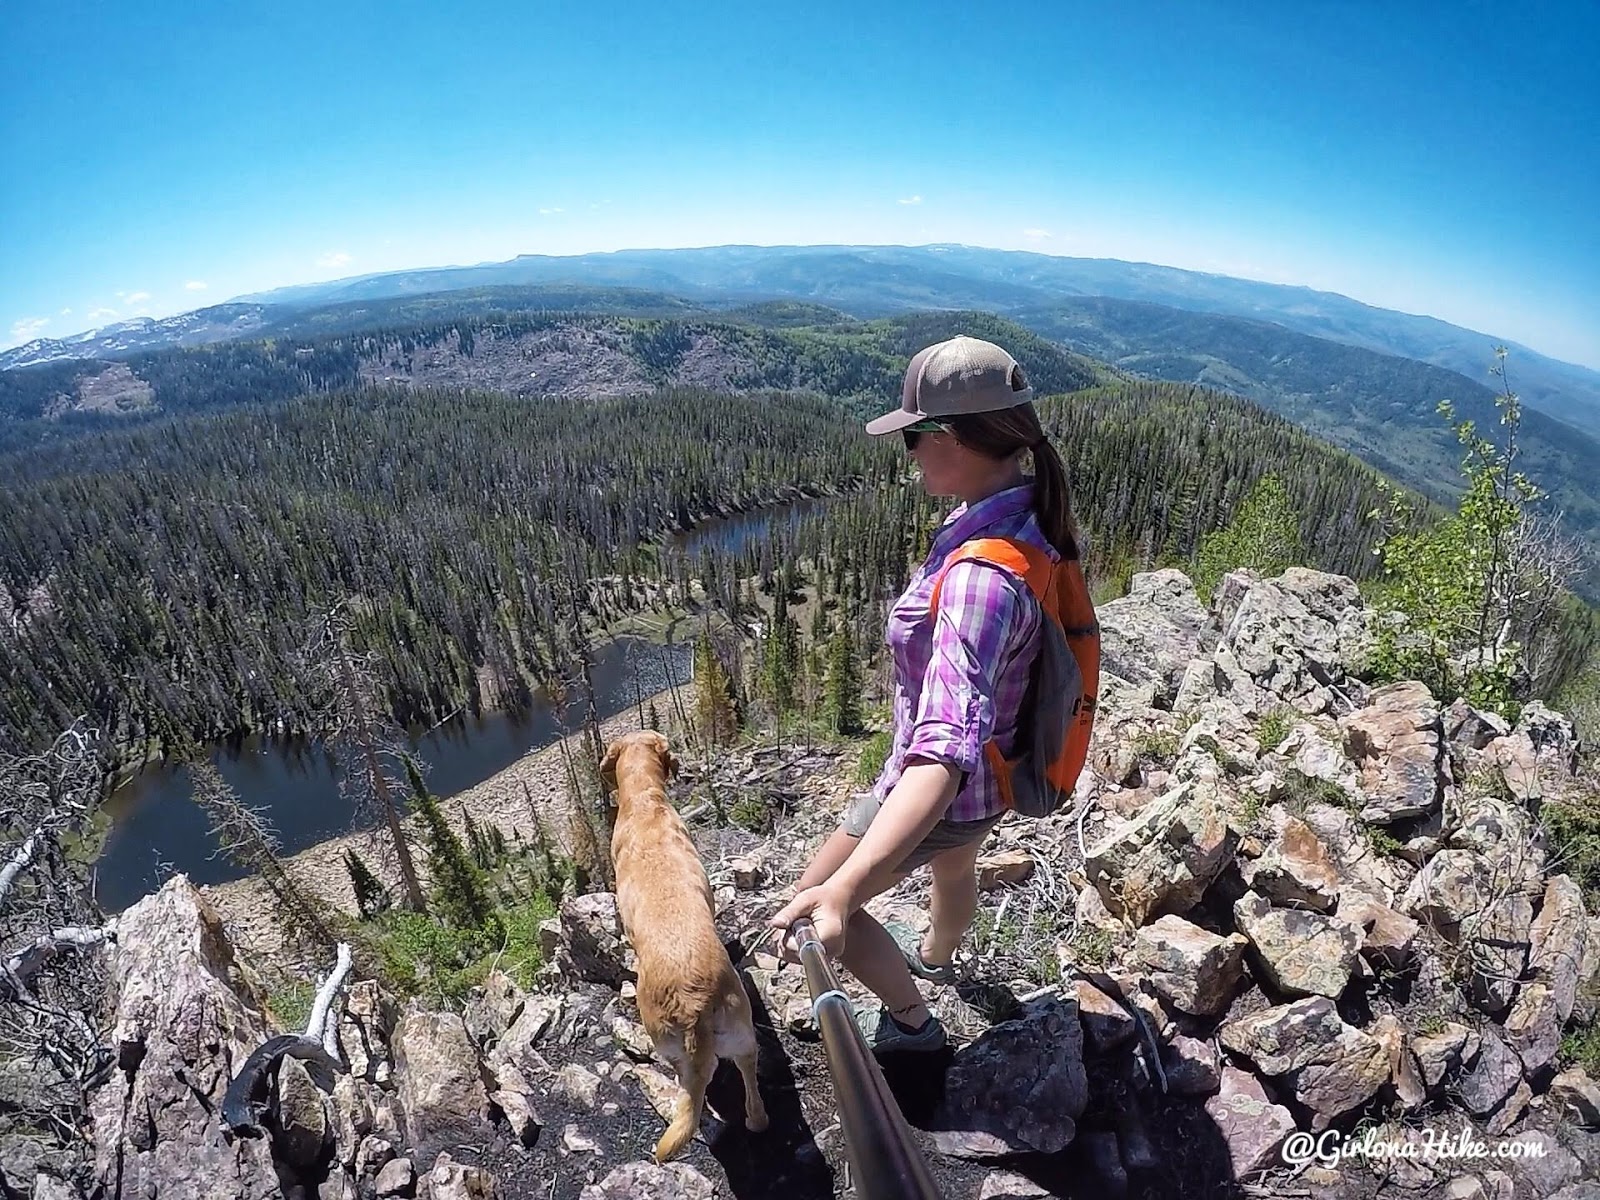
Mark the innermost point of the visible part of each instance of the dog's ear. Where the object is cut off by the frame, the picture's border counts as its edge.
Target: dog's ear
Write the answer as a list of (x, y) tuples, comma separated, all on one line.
[(672, 763), (608, 765)]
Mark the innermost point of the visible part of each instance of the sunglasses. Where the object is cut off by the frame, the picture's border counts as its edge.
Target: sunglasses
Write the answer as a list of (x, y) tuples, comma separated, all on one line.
[(911, 433)]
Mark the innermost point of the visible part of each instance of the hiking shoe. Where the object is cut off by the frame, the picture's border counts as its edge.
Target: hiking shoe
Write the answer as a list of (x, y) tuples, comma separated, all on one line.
[(885, 1037), (910, 943)]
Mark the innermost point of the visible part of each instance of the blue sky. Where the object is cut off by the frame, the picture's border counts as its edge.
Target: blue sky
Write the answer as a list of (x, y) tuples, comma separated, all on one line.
[(1432, 157)]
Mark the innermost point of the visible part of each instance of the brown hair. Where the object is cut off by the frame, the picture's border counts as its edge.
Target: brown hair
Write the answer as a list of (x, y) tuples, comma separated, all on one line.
[(1009, 431)]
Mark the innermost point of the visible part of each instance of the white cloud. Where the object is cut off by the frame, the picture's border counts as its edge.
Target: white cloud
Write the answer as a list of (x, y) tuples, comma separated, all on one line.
[(912, 200), (66, 312), (339, 258), (1037, 235), (28, 328), (97, 313), (545, 212), (195, 285), (137, 297)]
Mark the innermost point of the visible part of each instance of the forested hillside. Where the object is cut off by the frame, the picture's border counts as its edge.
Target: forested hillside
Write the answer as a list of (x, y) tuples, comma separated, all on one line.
[(1382, 408), (164, 578), (532, 354)]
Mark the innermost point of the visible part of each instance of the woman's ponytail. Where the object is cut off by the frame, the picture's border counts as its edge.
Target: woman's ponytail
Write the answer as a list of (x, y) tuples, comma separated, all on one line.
[(1052, 501)]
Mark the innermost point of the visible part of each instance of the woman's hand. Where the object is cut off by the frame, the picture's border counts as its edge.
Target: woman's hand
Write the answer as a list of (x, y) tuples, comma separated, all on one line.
[(829, 907)]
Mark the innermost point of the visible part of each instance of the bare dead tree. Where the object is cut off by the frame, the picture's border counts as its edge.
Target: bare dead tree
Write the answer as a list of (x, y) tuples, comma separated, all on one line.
[(354, 720), (245, 836), (54, 1001), (1546, 563)]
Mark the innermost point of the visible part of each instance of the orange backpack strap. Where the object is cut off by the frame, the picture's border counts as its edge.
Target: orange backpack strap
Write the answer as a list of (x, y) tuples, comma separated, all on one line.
[(1028, 563)]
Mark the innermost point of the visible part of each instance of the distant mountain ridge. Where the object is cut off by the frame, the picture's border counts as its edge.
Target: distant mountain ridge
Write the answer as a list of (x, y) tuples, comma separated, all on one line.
[(871, 281)]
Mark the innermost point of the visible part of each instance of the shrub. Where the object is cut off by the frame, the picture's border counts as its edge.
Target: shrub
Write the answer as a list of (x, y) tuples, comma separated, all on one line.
[(873, 755)]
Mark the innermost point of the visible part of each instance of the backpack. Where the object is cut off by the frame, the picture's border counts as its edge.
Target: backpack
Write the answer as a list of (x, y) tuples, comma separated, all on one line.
[(1057, 714)]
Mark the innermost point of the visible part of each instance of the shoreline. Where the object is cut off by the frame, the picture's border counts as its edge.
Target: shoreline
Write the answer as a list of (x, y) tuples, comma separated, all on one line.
[(247, 908)]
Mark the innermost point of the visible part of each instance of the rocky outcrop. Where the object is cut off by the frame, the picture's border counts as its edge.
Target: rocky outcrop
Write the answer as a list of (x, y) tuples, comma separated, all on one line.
[(1299, 903), (186, 1011), (1163, 860)]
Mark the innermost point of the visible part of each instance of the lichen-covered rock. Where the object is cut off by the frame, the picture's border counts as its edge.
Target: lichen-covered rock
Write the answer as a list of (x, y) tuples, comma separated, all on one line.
[(1019, 1088), (1440, 1056), (1387, 937), (1328, 1066), (1397, 742), (1149, 635), (1253, 1127), (1190, 967), (1293, 635), (1302, 953), (1577, 1096), (1296, 868), (1163, 860), (1558, 942)]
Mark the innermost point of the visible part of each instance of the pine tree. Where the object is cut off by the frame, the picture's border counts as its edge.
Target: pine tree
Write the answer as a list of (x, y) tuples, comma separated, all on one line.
[(477, 844), (841, 702), (1264, 534), (713, 694), (372, 897), (247, 839), (459, 896), (653, 718)]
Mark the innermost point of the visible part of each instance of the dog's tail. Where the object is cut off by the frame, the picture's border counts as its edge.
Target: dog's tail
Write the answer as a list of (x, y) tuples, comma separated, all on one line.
[(700, 1063)]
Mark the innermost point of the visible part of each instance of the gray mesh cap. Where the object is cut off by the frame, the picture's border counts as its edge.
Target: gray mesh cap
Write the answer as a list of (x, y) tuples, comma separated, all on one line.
[(953, 378)]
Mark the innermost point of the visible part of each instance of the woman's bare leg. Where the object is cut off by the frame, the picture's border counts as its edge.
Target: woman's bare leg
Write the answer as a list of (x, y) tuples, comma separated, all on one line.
[(870, 954), (955, 902)]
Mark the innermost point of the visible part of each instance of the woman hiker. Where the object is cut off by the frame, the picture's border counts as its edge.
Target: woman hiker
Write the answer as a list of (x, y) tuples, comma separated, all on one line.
[(967, 416)]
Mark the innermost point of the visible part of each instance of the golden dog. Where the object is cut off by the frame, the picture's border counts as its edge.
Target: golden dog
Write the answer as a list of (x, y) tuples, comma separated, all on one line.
[(690, 999)]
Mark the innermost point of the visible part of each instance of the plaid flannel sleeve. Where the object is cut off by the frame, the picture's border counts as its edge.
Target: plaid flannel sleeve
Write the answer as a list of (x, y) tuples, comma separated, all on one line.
[(980, 611)]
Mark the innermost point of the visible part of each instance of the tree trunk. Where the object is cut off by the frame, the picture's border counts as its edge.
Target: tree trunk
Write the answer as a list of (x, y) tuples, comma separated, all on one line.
[(380, 782)]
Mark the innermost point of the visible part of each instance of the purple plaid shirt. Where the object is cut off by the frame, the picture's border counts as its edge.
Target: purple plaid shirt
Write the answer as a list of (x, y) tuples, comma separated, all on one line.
[(959, 680)]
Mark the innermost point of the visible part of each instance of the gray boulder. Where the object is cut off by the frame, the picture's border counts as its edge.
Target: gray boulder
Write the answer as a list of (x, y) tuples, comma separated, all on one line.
[(1190, 967), (441, 1081), (1328, 1066), (594, 939), (1302, 953), (1151, 634), (1019, 1088)]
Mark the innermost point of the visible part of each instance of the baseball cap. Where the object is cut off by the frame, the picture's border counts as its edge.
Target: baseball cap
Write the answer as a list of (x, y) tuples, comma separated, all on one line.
[(955, 377)]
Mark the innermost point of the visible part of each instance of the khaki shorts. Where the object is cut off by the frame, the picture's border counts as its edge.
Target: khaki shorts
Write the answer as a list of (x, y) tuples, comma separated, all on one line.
[(946, 835)]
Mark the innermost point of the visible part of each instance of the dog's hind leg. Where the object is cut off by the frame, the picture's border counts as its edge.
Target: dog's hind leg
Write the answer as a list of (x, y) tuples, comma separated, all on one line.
[(755, 1112), (699, 1064)]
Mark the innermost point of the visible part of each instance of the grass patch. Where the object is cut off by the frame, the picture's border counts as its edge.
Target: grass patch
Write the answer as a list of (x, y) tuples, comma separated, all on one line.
[(1158, 747), (419, 955), (1091, 946), (1300, 791), (1382, 841), (1580, 1047), (1274, 727), (1431, 1024), (1572, 826), (290, 1004)]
